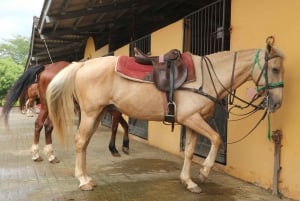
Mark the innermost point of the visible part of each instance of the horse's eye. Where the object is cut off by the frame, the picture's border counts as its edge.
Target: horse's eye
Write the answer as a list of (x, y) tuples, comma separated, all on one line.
[(275, 70)]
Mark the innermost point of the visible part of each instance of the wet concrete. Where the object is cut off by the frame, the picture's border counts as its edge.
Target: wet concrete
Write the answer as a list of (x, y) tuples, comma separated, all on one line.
[(147, 173)]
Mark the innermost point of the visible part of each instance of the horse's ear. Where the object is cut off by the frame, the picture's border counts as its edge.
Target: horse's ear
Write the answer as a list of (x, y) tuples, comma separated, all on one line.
[(270, 42)]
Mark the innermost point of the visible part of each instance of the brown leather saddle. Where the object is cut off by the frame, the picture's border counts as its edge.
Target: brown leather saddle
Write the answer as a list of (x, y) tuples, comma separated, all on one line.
[(167, 68), (169, 73)]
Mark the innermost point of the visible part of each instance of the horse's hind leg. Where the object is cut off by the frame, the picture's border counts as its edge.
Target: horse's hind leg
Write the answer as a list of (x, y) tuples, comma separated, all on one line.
[(29, 107), (87, 128), (115, 118), (39, 122), (48, 150), (125, 146)]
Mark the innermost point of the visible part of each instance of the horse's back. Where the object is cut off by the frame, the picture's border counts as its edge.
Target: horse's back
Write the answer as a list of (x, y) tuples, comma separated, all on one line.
[(92, 70), (52, 69)]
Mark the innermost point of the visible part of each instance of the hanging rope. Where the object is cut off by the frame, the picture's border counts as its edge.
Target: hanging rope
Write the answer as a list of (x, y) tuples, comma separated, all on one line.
[(48, 50)]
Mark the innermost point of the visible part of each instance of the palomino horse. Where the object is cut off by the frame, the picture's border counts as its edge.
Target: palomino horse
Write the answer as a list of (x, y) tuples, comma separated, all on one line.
[(28, 98), (33, 83), (217, 75)]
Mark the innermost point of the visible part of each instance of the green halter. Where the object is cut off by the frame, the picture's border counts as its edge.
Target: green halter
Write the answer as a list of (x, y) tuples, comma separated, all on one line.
[(267, 85)]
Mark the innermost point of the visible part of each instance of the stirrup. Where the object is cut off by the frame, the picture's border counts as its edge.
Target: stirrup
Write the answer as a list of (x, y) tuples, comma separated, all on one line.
[(171, 112)]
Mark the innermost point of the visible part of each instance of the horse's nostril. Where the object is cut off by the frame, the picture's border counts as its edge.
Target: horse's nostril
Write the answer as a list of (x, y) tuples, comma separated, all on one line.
[(277, 105)]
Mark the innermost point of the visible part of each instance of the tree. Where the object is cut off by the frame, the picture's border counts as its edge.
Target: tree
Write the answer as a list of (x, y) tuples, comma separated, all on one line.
[(16, 48), (9, 73), (13, 56)]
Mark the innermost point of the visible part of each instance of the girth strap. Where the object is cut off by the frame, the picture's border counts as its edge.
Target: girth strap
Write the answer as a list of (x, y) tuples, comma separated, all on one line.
[(171, 106)]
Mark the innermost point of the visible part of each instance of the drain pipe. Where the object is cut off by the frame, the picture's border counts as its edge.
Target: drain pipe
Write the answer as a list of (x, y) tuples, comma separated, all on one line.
[(276, 137)]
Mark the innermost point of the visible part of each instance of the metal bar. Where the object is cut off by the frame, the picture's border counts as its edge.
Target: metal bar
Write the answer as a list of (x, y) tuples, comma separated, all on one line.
[(276, 137)]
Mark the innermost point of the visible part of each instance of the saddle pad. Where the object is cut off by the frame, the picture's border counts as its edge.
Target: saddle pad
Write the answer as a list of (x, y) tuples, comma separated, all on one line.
[(128, 68)]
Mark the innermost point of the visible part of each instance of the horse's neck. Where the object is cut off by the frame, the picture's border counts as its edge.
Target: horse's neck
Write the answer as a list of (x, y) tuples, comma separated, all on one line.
[(223, 65)]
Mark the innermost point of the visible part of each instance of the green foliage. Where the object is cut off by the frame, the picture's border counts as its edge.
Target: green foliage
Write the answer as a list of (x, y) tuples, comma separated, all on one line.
[(16, 48), (13, 56)]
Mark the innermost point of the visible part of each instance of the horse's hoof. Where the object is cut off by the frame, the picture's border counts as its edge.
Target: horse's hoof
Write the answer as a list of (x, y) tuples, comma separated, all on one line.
[(125, 150), (116, 154), (39, 159), (54, 161), (202, 176), (195, 189), (88, 187)]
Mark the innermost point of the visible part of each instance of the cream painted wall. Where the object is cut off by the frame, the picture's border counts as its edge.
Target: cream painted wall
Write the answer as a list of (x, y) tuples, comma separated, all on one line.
[(252, 160)]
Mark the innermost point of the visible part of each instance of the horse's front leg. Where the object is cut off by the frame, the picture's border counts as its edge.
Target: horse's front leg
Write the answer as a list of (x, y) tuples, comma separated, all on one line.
[(198, 125), (190, 144), (86, 129), (48, 149), (216, 141)]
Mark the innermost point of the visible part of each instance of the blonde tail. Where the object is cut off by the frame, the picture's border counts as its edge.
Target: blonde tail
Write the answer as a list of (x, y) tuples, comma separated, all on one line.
[(60, 100)]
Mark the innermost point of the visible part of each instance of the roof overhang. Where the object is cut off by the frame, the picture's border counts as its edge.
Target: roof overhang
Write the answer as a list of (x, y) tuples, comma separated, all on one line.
[(61, 31)]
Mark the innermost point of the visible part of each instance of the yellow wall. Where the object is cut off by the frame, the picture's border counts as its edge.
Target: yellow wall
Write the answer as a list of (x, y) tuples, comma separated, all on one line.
[(252, 160), (90, 51), (89, 48), (122, 51), (169, 37), (101, 52)]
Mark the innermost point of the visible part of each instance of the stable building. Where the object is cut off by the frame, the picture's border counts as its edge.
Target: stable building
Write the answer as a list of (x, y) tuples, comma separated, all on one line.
[(76, 30)]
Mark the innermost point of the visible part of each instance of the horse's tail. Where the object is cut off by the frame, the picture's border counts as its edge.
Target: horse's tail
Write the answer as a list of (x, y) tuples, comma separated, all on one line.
[(22, 100), (22, 83), (60, 100)]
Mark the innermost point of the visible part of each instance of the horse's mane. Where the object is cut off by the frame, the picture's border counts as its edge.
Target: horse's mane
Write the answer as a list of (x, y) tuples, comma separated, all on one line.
[(226, 53), (22, 83)]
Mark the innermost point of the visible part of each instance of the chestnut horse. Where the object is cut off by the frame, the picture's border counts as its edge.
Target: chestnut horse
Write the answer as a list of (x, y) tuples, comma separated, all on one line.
[(34, 83), (42, 75), (28, 98), (217, 75)]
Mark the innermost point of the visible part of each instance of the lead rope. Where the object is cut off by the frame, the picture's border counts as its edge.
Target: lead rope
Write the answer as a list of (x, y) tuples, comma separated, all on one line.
[(256, 125)]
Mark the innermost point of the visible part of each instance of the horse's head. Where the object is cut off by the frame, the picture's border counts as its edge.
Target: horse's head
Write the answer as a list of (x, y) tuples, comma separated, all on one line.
[(269, 77)]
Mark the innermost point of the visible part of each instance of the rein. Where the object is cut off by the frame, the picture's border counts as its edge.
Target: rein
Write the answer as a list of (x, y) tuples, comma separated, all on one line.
[(231, 92)]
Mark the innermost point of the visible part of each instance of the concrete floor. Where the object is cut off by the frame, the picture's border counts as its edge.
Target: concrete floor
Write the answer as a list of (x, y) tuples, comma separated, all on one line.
[(147, 173)]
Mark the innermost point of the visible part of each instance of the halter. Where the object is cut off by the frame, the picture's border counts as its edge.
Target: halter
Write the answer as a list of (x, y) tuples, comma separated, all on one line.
[(264, 72)]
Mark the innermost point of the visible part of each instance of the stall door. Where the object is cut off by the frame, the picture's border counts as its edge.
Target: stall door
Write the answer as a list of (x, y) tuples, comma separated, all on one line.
[(207, 31)]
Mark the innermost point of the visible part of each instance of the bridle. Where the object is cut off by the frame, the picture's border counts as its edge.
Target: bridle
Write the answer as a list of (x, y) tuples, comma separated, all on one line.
[(231, 92), (265, 88), (264, 73)]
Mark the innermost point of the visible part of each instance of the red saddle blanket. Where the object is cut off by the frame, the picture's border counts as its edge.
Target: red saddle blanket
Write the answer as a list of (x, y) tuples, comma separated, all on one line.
[(128, 68)]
